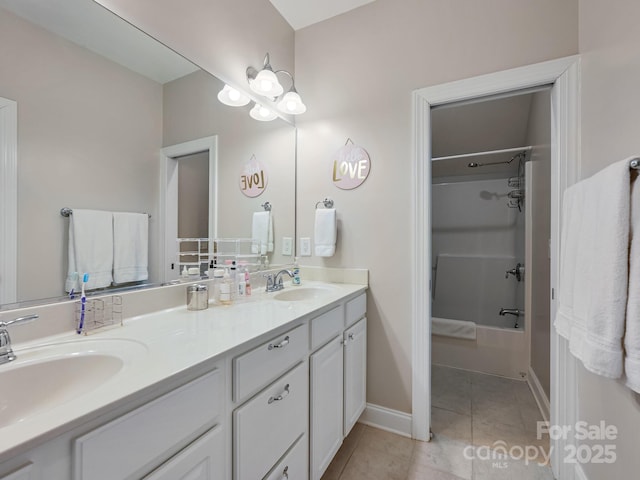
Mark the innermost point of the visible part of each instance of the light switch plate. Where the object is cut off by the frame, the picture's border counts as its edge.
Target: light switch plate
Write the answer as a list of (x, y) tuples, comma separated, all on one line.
[(305, 247), (287, 245)]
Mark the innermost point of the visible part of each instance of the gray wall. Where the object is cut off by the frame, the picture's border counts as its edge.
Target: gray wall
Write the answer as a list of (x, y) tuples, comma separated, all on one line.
[(356, 73), (610, 125)]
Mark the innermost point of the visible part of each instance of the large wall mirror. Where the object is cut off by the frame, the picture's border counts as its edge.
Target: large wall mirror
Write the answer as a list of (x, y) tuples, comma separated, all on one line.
[(97, 102)]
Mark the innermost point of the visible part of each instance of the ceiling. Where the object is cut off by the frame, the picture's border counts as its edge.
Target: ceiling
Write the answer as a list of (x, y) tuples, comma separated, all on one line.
[(302, 13)]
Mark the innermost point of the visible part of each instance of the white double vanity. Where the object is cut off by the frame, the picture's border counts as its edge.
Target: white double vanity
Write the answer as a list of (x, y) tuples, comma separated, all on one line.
[(265, 388)]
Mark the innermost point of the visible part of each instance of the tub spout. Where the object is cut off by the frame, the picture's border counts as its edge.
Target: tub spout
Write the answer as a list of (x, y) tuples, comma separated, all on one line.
[(511, 311)]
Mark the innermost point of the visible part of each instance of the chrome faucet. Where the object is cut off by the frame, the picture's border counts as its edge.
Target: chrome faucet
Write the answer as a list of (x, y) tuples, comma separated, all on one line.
[(511, 311), (6, 353), (274, 282)]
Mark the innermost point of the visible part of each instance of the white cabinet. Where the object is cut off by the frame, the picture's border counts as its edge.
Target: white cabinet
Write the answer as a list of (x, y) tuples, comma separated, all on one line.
[(338, 382), (326, 367), (136, 443), (355, 373), (202, 460), (294, 465), (266, 426), (23, 473)]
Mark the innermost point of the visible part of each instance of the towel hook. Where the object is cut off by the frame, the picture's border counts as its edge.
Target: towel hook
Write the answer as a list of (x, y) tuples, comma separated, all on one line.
[(327, 202), (266, 206)]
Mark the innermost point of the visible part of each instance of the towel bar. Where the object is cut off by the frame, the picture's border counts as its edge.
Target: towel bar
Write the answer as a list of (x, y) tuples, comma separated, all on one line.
[(66, 211)]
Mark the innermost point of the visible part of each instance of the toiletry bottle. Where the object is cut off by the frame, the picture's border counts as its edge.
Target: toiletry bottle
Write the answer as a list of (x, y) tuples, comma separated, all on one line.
[(241, 284), (185, 272), (218, 277), (247, 282), (296, 272), (234, 280), (225, 288)]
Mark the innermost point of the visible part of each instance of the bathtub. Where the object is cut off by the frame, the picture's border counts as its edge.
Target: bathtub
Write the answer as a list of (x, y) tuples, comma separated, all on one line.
[(495, 350)]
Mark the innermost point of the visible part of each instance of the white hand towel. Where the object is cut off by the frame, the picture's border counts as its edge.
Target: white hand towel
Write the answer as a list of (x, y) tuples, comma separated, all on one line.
[(90, 249), (593, 282), (632, 332), (326, 229), (130, 247), (260, 228), (270, 234)]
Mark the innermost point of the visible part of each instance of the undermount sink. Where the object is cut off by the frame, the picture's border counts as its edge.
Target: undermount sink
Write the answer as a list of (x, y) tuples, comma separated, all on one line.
[(47, 376), (296, 294)]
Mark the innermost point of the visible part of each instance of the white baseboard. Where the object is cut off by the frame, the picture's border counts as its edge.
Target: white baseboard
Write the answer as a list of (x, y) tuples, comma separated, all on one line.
[(539, 395), (387, 419)]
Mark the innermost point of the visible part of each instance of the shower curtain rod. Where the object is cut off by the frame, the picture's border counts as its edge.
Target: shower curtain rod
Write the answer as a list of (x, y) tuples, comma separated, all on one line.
[(479, 154)]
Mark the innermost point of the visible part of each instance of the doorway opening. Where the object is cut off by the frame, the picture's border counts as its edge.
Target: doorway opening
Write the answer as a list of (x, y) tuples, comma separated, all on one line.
[(183, 209), (562, 75)]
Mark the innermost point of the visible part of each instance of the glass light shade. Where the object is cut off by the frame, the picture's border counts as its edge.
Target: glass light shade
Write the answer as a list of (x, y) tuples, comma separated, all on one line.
[(232, 97), (262, 114), (292, 103), (266, 83)]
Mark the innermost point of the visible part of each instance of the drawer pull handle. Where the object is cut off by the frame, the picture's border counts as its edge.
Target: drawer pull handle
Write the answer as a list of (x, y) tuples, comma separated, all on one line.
[(277, 398), (351, 335), (285, 472), (282, 344)]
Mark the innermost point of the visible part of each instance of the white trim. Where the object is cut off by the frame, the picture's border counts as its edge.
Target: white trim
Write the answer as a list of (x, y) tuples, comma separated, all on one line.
[(421, 306), (563, 74), (8, 200), (169, 198), (538, 394), (386, 419)]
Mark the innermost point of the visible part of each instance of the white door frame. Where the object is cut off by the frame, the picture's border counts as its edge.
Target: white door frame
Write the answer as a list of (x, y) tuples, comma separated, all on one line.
[(169, 198), (8, 200), (563, 74)]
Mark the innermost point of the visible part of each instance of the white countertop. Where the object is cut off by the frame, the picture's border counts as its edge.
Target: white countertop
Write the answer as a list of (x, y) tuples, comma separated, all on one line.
[(165, 343)]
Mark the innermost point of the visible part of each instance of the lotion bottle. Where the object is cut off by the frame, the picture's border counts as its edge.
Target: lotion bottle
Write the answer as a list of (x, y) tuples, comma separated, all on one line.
[(247, 282), (225, 288)]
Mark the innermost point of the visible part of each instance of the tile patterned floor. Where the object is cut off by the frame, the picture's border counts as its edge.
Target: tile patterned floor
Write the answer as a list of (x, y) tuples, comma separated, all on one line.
[(471, 412)]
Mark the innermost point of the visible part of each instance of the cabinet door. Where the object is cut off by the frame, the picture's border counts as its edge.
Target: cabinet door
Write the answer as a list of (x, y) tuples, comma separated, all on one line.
[(23, 473), (355, 373), (204, 459), (326, 406)]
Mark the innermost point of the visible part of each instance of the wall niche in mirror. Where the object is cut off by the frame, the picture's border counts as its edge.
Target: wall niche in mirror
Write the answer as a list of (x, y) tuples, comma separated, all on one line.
[(97, 101)]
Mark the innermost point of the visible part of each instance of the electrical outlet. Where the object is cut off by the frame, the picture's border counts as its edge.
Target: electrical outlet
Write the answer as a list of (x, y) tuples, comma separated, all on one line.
[(287, 246), (305, 247)]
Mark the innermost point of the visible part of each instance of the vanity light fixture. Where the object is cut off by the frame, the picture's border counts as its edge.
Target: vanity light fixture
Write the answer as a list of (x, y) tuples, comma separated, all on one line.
[(232, 97), (265, 82), (262, 113)]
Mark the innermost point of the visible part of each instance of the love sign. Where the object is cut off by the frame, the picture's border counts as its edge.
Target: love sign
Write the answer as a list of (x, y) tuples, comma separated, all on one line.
[(253, 178), (351, 167)]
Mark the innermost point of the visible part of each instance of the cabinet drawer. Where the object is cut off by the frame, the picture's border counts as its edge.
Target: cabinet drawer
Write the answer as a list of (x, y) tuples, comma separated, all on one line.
[(355, 309), (24, 473), (294, 465), (136, 442), (263, 364), (267, 425), (326, 326), (202, 460)]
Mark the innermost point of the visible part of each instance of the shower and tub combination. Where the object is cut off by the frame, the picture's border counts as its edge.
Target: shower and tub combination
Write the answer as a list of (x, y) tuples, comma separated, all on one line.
[(478, 266)]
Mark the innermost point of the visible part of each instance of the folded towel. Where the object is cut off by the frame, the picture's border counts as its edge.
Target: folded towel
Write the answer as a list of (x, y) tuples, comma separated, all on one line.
[(632, 332), (90, 249), (592, 289), (326, 228), (130, 247), (262, 233), (447, 327)]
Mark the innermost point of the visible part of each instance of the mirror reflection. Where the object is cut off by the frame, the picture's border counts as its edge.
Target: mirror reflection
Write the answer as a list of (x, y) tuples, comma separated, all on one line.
[(98, 103)]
